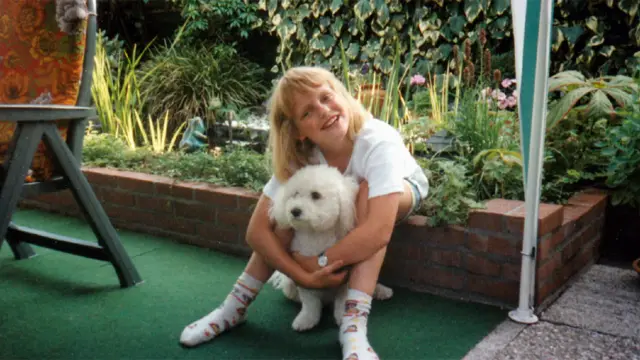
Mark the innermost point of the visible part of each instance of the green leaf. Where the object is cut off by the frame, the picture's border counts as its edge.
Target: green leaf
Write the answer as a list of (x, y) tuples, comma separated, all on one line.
[(353, 50), (285, 29), (398, 21), (371, 49), (557, 39), (572, 34), (472, 9), (502, 22), (607, 50), (272, 7), (456, 24), (566, 79), (335, 6), (301, 32), (323, 43), (378, 29), (303, 12), (622, 98), (395, 6), (630, 7), (599, 105), (382, 12), (635, 35), (562, 107), (336, 27), (383, 63), (593, 24), (432, 35), (595, 40), (324, 23), (363, 9), (500, 6), (585, 56), (352, 27)]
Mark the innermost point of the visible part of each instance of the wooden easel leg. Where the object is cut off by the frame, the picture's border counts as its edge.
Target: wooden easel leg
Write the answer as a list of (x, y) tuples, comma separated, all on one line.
[(92, 209), (24, 145)]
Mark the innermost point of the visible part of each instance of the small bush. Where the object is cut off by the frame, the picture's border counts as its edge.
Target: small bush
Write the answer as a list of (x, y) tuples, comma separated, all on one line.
[(189, 79), (234, 166)]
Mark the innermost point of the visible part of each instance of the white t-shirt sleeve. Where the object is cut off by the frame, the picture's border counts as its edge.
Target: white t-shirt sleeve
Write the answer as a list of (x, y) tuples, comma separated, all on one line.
[(383, 169), (271, 187)]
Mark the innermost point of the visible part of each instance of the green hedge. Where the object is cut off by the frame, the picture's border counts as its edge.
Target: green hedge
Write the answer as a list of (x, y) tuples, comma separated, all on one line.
[(591, 36)]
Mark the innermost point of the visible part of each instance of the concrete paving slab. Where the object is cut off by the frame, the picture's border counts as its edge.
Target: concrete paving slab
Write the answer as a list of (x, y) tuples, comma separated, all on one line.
[(604, 299), (597, 317), (551, 341), (625, 348), (622, 282)]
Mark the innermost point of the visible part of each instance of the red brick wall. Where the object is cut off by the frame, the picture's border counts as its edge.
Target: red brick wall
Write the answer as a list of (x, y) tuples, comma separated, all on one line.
[(479, 261), (570, 247)]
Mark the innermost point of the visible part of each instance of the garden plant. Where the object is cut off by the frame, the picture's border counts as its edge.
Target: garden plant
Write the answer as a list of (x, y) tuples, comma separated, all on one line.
[(430, 68)]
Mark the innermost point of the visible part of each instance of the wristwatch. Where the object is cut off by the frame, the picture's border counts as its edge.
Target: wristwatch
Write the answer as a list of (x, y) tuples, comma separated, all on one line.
[(322, 259)]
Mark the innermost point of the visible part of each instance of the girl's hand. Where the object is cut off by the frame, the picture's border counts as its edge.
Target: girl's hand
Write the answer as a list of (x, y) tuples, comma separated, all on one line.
[(325, 277)]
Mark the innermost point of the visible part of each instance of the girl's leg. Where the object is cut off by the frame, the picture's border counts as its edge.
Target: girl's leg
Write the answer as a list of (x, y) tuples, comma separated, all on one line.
[(233, 309), (362, 282)]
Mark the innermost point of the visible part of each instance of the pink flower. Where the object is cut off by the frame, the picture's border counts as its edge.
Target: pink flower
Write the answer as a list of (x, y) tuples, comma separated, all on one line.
[(512, 101), (507, 82), (418, 79)]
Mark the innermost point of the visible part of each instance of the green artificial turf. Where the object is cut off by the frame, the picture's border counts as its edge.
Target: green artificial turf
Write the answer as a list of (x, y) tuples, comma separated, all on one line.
[(60, 306)]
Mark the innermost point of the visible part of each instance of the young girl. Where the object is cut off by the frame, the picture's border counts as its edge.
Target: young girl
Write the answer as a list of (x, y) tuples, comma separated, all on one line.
[(314, 119)]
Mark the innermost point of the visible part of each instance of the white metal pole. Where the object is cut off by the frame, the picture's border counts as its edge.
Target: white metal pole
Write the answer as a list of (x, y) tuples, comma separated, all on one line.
[(540, 61)]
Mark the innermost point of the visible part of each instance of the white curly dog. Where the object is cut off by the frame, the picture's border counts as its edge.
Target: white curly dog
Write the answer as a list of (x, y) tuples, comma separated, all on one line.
[(318, 203)]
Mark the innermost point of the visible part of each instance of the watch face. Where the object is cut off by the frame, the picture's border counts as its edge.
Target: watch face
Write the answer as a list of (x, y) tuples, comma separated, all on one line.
[(322, 261)]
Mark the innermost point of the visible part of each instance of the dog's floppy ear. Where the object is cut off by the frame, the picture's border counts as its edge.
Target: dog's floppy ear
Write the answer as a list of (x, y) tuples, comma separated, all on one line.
[(277, 211), (348, 194)]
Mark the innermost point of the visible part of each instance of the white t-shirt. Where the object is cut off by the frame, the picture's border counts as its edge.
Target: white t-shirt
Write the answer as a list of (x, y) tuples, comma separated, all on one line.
[(379, 156)]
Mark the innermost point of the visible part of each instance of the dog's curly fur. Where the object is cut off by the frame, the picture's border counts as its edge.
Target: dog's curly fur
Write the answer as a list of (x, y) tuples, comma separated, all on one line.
[(318, 203)]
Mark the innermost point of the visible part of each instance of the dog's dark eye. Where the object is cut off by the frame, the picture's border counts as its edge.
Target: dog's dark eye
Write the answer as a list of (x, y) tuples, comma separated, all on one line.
[(315, 195)]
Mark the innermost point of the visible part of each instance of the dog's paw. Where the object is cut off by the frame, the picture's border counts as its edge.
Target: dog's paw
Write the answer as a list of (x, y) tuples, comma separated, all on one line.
[(382, 292), (305, 321)]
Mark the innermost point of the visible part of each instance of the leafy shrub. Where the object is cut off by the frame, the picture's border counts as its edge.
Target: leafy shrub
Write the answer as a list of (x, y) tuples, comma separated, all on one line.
[(232, 167), (310, 31), (107, 150), (451, 196), (242, 167), (219, 18), (621, 146), (190, 79), (571, 159)]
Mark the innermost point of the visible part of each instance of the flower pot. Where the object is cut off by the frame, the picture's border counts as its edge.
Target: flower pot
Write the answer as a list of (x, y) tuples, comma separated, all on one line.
[(636, 265)]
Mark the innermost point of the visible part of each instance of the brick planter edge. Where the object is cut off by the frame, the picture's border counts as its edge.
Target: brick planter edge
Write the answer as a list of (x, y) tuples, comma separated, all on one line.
[(477, 262)]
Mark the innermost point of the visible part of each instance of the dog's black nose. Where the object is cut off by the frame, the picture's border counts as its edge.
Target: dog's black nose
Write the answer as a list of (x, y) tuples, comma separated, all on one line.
[(296, 212)]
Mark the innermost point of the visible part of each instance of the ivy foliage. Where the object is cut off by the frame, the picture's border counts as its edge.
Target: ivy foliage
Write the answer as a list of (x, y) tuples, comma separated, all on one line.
[(311, 31)]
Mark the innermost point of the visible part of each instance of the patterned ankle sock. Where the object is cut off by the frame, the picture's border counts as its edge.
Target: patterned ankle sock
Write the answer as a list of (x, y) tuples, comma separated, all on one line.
[(231, 313), (353, 330)]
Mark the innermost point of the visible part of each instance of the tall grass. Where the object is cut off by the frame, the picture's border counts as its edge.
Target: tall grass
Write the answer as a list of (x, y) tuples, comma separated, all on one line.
[(119, 101), (192, 79)]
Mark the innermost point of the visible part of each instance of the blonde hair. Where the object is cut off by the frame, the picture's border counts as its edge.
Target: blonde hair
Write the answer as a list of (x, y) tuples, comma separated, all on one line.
[(286, 150)]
